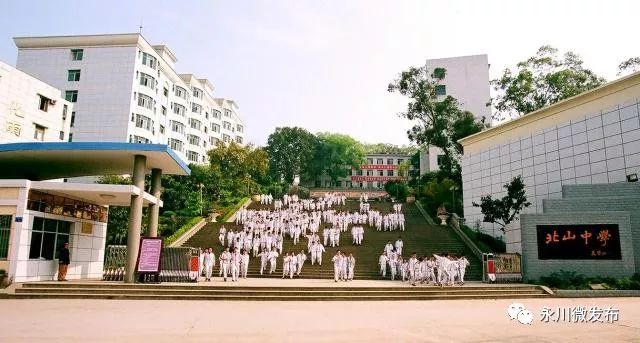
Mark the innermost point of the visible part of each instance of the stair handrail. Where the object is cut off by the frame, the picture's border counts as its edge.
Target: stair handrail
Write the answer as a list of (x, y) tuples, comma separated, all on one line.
[(465, 239)]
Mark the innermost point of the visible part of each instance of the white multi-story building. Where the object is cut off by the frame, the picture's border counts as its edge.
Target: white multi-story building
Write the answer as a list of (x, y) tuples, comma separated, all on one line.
[(127, 90), (31, 110), (467, 80)]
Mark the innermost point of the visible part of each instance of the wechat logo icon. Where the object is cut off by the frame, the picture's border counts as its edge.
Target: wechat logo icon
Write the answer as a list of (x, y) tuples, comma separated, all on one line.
[(519, 312)]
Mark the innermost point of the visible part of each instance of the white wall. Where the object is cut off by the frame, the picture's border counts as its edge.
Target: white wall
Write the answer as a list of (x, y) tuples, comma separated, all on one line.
[(600, 147), (19, 107)]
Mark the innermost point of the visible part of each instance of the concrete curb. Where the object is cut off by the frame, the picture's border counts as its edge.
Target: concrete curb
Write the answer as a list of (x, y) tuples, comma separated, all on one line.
[(232, 219), (586, 293), (192, 231)]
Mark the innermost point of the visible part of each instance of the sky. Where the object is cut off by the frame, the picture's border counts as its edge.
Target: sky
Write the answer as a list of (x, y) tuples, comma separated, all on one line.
[(325, 65)]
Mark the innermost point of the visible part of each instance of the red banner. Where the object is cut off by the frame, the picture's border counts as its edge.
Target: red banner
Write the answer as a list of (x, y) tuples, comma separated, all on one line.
[(376, 178), (379, 166)]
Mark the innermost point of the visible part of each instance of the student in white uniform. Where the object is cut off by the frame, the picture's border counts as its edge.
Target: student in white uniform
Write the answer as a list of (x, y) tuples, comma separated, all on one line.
[(413, 266), (301, 258), (338, 261), (209, 262), (244, 266), (463, 264), (382, 261), (393, 264), (264, 258), (399, 245), (317, 250), (351, 264), (222, 234), (286, 264), (235, 264), (388, 248), (225, 263), (273, 258)]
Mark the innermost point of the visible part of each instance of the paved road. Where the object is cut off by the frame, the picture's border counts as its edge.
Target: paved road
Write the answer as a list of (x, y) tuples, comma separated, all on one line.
[(202, 321)]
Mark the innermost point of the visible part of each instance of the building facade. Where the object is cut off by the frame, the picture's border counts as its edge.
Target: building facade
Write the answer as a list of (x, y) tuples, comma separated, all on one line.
[(467, 80), (377, 170), (592, 138), (31, 110), (126, 90)]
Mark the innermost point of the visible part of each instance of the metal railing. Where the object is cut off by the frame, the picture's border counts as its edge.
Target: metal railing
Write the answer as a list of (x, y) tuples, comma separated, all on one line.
[(174, 264)]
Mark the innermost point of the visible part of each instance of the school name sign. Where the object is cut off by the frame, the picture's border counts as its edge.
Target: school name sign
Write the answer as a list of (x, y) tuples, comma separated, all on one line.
[(579, 242), (376, 178)]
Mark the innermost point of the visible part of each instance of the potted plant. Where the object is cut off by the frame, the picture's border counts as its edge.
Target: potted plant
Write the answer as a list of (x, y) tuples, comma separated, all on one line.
[(411, 198), (4, 279)]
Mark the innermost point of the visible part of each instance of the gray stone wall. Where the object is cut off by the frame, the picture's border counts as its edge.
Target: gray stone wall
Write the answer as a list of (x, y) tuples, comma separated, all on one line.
[(534, 268)]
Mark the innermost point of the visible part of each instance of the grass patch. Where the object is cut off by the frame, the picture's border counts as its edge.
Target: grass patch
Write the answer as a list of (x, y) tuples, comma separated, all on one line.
[(181, 231), (486, 243), (225, 212)]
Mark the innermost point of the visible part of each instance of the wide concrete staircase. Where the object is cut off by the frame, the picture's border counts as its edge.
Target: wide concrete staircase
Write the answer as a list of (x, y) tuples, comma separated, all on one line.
[(343, 292), (419, 236)]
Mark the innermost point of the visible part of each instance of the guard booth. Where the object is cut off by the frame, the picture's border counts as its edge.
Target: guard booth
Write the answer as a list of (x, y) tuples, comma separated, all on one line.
[(39, 211)]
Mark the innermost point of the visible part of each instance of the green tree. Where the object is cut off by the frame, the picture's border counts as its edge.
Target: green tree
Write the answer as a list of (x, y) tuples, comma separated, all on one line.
[(628, 66), (504, 211), (437, 192), (291, 151), (540, 81), (385, 148), (335, 155), (240, 169), (439, 121), (397, 189)]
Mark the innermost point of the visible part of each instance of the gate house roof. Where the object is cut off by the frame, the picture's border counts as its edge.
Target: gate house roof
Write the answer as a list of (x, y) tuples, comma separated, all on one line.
[(46, 161)]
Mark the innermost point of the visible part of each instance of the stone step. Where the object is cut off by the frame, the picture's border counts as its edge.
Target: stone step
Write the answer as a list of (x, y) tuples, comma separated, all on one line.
[(251, 297)]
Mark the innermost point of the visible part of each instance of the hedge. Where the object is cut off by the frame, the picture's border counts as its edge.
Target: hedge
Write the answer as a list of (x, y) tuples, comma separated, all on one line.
[(182, 230), (228, 211)]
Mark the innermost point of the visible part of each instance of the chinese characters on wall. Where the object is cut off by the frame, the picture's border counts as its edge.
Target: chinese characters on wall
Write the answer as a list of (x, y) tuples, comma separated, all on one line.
[(592, 241)]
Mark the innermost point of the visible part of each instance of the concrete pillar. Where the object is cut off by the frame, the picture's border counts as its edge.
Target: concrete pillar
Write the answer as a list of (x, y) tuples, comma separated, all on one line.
[(135, 218), (154, 210)]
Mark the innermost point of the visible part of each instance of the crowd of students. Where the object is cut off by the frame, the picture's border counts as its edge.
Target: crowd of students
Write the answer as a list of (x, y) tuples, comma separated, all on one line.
[(444, 269)]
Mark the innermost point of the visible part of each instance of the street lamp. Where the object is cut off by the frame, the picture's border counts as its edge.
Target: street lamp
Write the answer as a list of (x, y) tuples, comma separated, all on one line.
[(453, 190), (201, 203)]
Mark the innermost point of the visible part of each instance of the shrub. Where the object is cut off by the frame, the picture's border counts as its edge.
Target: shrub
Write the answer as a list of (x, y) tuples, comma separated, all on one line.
[(181, 231), (572, 280), (396, 189)]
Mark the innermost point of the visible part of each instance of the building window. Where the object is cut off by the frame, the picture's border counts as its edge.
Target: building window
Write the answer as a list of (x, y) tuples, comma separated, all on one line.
[(215, 127), (145, 101), (65, 109), (147, 80), (400, 160), (240, 128), (144, 122), (226, 125), (238, 139), (73, 75), (141, 140), (48, 236), (369, 172), (390, 172), (61, 135), (43, 103), (226, 138), (192, 156), (175, 144), (197, 92), (181, 92), (389, 161), (195, 124), (71, 137), (369, 184), (195, 108), (163, 111), (194, 140), (5, 230), (177, 126), (380, 161), (179, 109), (71, 96), (77, 54), (440, 159), (149, 60), (39, 132), (73, 118), (359, 172), (441, 90), (216, 114), (161, 129), (165, 92), (369, 160), (227, 113), (213, 140), (380, 172)]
